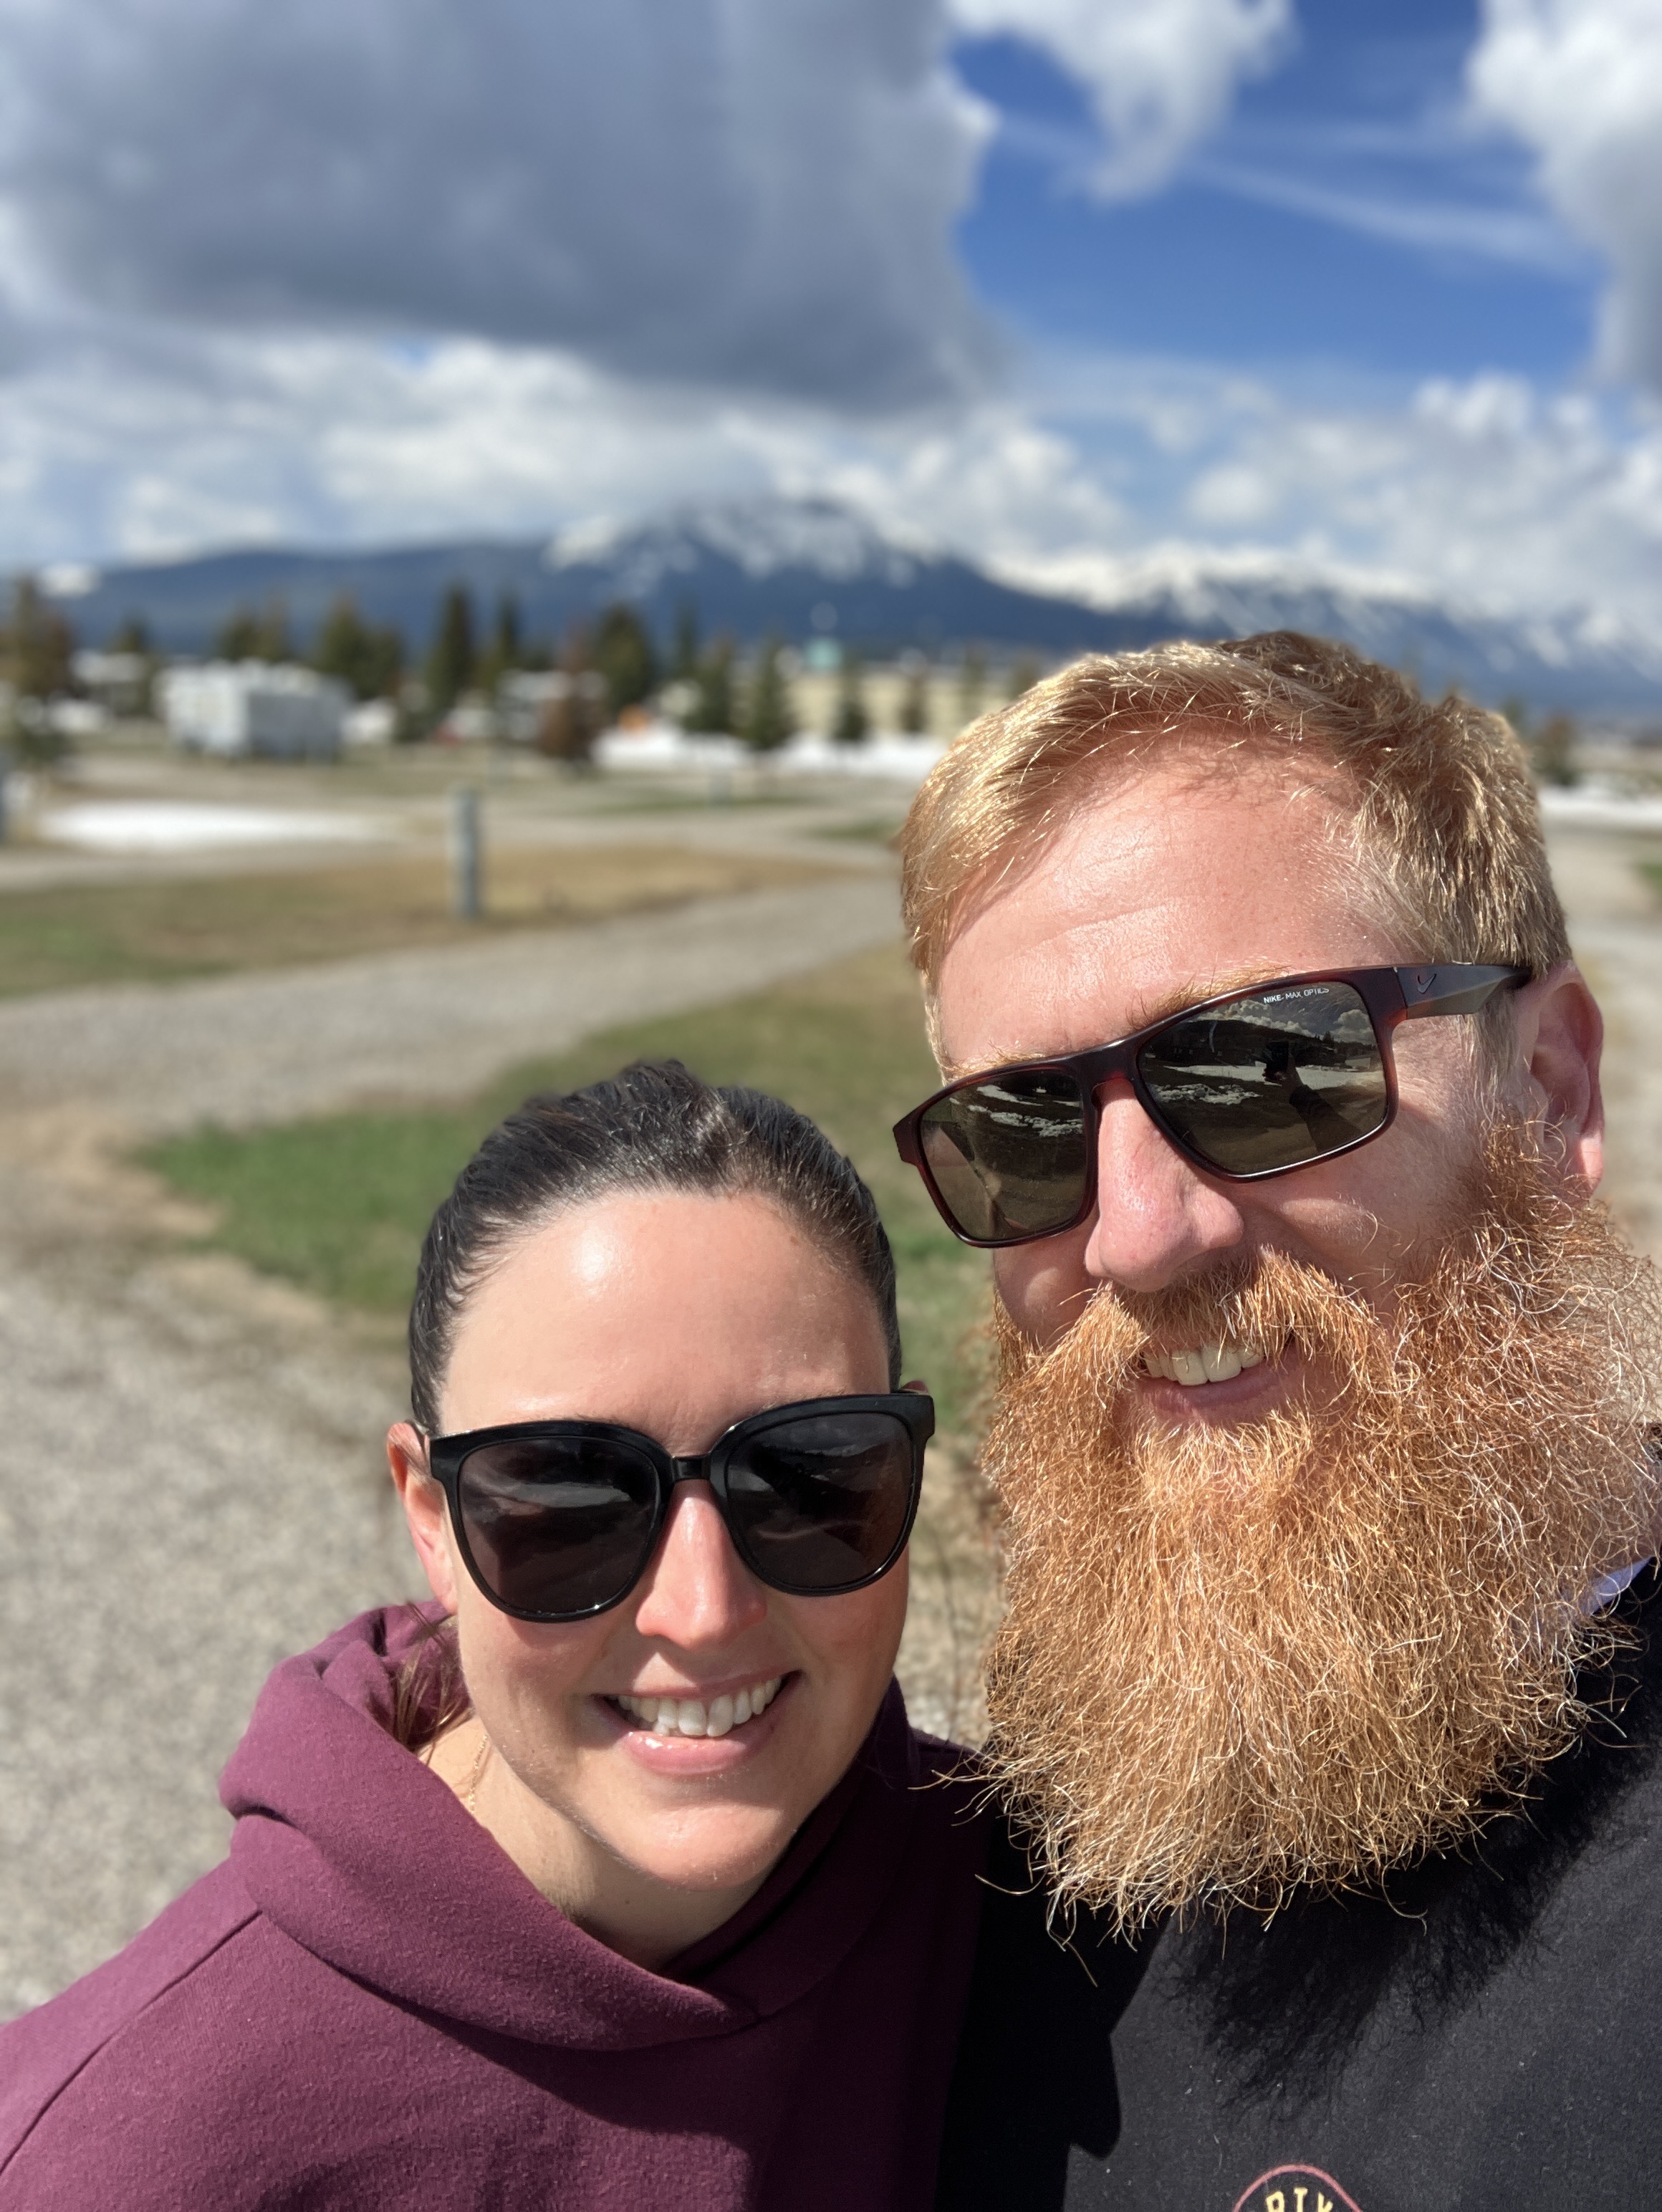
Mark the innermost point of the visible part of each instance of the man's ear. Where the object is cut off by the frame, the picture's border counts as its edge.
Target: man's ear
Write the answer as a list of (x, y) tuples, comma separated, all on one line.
[(1561, 1037), (424, 1509)]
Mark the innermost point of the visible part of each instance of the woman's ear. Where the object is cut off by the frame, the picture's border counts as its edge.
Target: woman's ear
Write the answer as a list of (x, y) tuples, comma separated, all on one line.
[(1561, 1036), (424, 1509)]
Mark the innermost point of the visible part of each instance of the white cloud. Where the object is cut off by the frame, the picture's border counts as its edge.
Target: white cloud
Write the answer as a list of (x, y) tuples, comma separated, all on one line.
[(758, 193), (1160, 73), (1115, 473), (1580, 82)]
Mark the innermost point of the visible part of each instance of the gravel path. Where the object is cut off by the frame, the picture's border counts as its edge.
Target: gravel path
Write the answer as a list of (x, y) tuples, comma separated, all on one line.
[(194, 1485), (432, 1024)]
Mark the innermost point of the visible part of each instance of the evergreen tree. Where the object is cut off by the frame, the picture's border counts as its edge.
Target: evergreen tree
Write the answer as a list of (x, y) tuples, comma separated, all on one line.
[(572, 720), (852, 724), (769, 718), (508, 644), (238, 637), (971, 682), (1552, 751), (624, 656), (450, 659), (1023, 676), (505, 649), (39, 644), (684, 668), (369, 660), (256, 633), (915, 697), (37, 647), (133, 636), (713, 708), (275, 643)]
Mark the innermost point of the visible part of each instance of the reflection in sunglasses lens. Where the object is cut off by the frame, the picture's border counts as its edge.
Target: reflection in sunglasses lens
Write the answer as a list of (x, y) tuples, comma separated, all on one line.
[(1272, 1081), (1007, 1155), (820, 1503), (558, 1524)]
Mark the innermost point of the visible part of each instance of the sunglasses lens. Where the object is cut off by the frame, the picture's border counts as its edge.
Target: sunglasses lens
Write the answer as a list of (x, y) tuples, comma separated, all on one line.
[(1269, 1082), (1007, 1155), (558, 1525), (823, 1502)]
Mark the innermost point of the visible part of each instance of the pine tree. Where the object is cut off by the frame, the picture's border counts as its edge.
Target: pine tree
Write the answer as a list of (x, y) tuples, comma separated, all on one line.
[(769, 718), (1552, 751), (1023, 676), (971, 682), (239, 635), (39, 644), (624, 656), (133, 636), (368, 660), (572, 721), (507, 645), (37, 648), (713, 708), (684, 668), (256, 633), (450, 659), (852, 724), (275, 642), (915, 697)]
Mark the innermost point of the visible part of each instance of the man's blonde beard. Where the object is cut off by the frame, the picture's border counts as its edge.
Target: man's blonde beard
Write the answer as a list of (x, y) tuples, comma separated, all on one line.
[(1304, 1649)]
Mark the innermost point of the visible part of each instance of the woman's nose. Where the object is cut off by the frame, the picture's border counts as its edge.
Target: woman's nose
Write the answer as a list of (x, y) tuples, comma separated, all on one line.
[(1157, 1216), (697, 1592)]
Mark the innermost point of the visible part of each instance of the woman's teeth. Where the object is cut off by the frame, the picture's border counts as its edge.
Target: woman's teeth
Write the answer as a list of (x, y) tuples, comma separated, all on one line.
[(1207, 1362), (692, 1716)]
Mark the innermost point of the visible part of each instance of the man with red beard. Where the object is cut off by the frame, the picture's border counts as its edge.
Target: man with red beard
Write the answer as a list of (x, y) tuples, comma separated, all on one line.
[(1323, 1441)]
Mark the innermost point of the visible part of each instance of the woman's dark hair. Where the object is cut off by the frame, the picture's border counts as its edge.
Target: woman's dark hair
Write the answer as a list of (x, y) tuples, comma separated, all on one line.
[(656, 1127)]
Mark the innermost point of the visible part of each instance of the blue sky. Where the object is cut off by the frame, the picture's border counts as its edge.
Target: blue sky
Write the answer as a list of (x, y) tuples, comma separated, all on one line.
[(1096, 292), (1345, 220)]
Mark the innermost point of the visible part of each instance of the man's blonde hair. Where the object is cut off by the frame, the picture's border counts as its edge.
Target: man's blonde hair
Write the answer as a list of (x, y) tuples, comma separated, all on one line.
[(1443, 808)]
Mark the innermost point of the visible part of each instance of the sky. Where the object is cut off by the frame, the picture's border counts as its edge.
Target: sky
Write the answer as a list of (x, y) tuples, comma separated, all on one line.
[(1096, 292)]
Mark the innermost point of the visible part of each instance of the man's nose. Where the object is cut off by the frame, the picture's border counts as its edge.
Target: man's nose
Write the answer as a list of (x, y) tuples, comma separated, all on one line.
[(696, 1591), (1157, 1216)]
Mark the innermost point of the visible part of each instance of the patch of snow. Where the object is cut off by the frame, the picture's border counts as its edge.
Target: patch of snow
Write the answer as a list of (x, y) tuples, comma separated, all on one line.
[(159, 826)]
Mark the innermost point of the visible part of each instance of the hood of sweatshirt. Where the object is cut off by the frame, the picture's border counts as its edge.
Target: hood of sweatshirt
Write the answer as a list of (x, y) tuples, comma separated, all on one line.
[(354, 1849)]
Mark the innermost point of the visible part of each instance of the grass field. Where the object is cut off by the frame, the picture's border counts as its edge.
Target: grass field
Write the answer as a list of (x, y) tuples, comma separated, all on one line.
[(339, 1205), (159, 930)]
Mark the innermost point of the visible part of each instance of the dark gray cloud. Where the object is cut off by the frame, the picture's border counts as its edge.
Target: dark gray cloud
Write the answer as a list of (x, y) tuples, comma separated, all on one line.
[(754, 193)]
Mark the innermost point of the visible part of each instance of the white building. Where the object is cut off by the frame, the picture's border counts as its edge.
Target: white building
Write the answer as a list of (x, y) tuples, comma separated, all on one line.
[(235, 707)]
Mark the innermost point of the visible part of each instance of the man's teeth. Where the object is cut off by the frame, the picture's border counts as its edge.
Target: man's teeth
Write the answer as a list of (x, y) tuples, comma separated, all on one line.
[(1207, 1362), (692, 1716)]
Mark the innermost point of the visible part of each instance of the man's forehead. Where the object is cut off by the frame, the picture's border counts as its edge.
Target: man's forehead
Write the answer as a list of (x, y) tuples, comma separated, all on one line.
[(1149, 897)]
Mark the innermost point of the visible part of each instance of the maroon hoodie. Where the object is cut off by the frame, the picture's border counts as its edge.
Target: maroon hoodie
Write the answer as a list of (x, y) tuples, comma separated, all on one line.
[(369, 2005)]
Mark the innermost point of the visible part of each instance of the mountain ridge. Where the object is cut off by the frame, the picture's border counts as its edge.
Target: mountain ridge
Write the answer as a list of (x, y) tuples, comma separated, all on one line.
[(797, 568)]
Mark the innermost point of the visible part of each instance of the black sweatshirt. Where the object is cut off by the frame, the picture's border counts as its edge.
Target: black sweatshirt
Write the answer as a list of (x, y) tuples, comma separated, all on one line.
[(1482, 2036)]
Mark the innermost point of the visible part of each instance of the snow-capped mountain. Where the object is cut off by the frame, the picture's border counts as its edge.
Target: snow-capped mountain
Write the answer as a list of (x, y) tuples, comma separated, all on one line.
[(796, 569)]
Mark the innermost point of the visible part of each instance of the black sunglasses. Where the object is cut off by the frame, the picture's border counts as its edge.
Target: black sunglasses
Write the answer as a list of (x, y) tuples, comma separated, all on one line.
[(557, 1520), (1252, 1083)]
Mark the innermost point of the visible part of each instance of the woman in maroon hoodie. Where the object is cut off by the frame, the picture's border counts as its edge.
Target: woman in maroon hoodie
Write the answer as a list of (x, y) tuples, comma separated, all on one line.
[(615, 1877)]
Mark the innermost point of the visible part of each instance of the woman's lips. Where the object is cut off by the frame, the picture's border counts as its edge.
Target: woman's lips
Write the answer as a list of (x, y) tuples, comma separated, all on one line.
[(688, 1756)]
